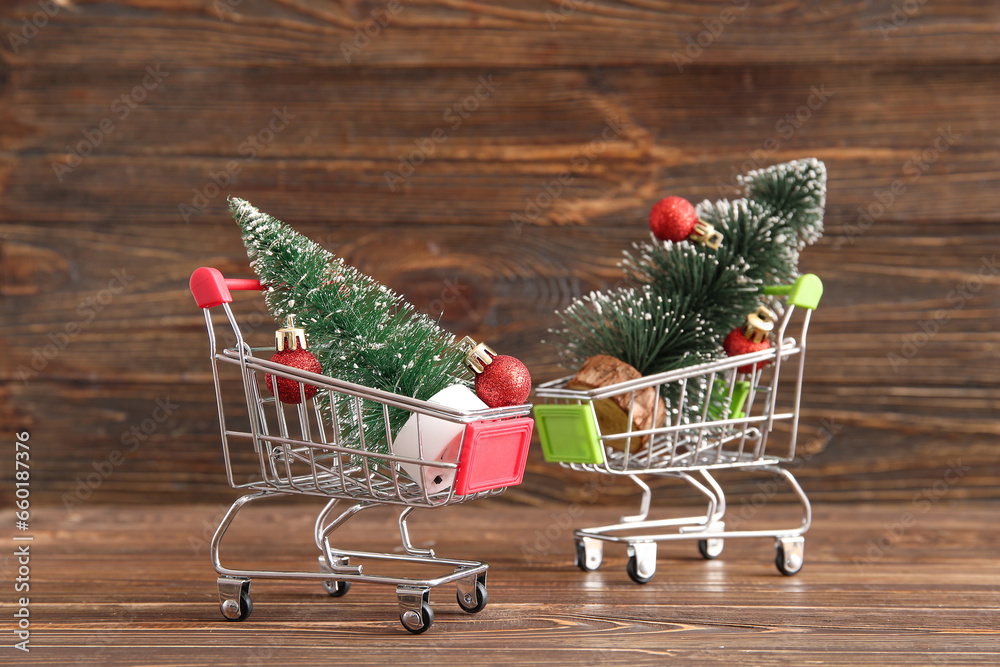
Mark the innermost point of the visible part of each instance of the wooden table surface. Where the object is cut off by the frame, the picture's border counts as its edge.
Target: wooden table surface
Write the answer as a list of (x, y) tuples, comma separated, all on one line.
[(883, 584), (903, 353)]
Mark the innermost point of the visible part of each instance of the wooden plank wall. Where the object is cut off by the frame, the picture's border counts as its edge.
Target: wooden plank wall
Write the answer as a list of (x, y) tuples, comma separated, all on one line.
[(116, 117)]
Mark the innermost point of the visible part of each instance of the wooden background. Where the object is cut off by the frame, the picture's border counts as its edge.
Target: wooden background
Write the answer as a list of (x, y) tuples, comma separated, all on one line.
[(85, 355)]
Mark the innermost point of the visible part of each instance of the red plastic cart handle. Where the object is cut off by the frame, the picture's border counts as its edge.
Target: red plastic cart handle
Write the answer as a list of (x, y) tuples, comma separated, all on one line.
[(211, 289)]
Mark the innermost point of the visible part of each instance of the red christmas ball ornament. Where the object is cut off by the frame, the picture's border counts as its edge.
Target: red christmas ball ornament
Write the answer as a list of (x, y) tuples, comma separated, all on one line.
[(672, 219), (675, 219), (753, 336), (291, 344), (501, 380)]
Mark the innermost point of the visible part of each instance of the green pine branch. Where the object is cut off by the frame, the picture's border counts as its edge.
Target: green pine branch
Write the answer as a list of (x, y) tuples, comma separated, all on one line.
[(359, 330), (685, 297), (795, 192)]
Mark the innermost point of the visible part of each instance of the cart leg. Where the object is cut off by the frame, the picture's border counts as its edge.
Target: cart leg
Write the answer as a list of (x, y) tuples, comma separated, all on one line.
[(414, 608), (647, 495), (471, 595), (641, 561), (589, 553), (234, 598), (711, 547), (803, 499), (712, 514), (720, 496), (335, 588), (404, 535), (791, 554), (224, 526), (321, 520), (336, 563)]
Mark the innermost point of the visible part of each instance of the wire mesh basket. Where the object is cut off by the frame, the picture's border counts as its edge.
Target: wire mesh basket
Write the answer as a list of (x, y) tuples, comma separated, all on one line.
[(721, 415), (320, 446)]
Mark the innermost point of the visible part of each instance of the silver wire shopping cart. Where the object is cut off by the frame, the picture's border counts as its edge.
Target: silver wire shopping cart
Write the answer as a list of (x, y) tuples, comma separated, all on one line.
[(318, 447), (717, 418)]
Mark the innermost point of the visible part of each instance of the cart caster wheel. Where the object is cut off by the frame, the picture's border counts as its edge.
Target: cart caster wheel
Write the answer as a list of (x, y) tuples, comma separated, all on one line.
[(415, 622), (470, 605), (238, 611), (789, 558), (589, 554), (710, 548), (633, 571), (336, 589), (641, 562)]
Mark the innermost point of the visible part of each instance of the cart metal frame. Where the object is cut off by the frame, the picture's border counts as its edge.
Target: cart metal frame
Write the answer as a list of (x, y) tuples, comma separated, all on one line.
[(319, 447), (705, 430)]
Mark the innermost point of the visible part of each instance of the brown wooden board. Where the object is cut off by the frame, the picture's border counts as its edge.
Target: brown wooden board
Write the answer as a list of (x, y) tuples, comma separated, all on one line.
[(107, 250), (289, 33), (891, 584)]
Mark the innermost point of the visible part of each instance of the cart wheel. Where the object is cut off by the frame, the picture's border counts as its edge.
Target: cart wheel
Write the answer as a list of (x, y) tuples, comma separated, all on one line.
[(789, 558), (473, 606), (336, 589), (633, 571), (238, 611), (418, 623), (589, 560), (710, 548)]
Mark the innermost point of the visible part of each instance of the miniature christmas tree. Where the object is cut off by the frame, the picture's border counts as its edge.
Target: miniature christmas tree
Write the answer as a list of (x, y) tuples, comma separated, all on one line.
[(701, 275), (358, 329)]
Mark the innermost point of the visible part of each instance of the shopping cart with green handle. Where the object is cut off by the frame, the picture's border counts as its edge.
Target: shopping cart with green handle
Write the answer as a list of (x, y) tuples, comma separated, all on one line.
[(716, 418)]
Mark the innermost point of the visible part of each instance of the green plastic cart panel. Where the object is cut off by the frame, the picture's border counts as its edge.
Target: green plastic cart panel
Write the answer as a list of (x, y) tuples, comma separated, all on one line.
[(804, 293), (568, 433), (720, 397)]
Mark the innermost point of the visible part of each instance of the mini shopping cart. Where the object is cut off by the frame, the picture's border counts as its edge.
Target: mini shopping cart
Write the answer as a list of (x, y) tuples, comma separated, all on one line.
[(318, 447), (717, 419)]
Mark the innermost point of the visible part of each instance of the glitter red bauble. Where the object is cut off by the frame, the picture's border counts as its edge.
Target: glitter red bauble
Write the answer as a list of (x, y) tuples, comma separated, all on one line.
[(288, 390), (672, 219), (737, 343), (504, 381)]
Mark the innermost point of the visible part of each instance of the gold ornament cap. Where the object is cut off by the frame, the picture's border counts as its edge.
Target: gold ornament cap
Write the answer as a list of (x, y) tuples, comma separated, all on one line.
[(290, 337), (705, 234), (759, 324), (477, 355)]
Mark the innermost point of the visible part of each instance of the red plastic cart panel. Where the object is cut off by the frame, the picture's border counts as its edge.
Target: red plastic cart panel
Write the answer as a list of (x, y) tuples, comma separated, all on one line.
[(493, 455)]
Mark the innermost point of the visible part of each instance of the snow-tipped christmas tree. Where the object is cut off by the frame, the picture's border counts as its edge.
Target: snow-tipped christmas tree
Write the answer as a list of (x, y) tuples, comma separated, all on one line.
[(699, 276), (359, 330)]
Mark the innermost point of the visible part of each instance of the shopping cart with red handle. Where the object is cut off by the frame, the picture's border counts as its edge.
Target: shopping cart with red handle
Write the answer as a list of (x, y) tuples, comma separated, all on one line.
[(319, 447)]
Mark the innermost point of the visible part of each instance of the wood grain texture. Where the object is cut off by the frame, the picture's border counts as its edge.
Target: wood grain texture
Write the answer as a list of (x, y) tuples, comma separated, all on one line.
[(286, 34), (134, 586), (96, 323)]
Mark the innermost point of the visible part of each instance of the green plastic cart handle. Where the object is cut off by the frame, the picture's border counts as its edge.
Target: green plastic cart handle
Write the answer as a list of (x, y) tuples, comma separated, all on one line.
[(804, 293)]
